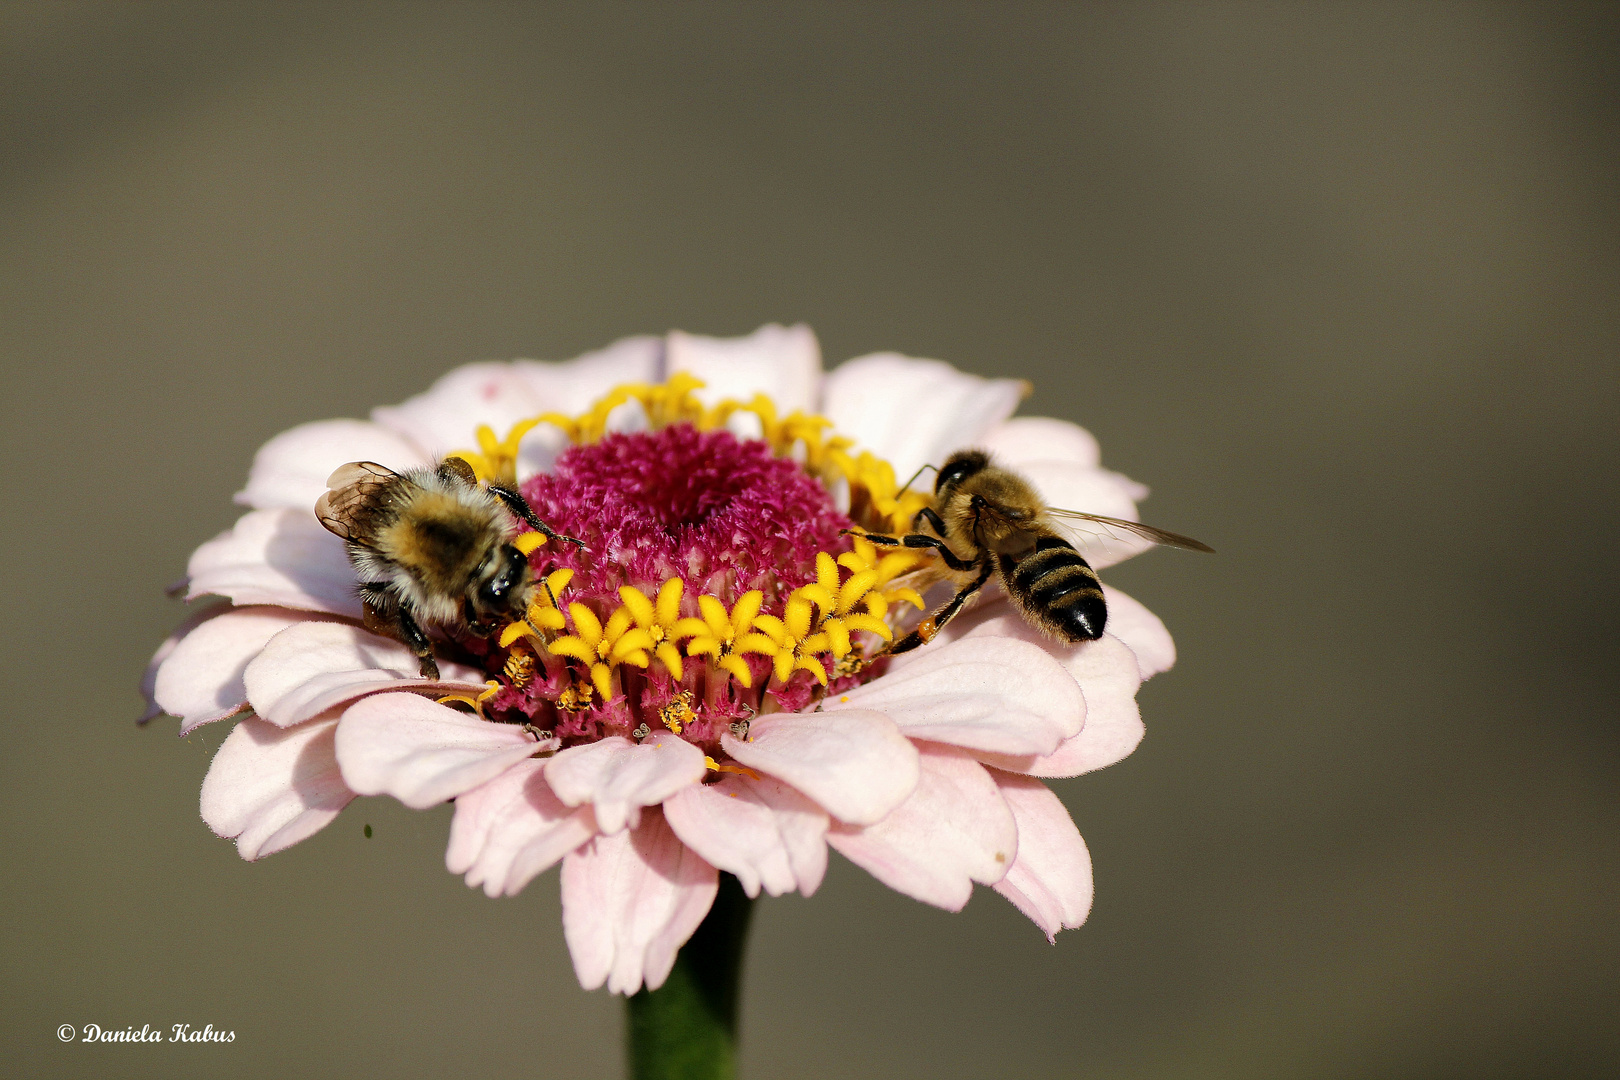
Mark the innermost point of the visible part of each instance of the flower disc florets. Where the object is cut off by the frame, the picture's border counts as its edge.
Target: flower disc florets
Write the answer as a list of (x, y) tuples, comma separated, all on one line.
[(717, 579), (722, 514), (695, 518)]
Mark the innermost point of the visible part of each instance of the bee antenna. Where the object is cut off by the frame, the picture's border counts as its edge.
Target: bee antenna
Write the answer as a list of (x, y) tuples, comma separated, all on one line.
[(916, 474)]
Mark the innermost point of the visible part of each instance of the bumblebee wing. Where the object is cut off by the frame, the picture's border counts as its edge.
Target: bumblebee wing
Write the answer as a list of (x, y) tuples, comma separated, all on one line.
[(351, 495), (1136, 528), (359, 472)]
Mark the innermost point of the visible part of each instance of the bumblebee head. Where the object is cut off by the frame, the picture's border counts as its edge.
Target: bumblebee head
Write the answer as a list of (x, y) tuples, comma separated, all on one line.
[(499, 589)]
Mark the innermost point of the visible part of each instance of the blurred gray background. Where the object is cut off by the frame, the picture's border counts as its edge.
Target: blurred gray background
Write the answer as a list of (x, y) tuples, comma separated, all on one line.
[(1338, 281)]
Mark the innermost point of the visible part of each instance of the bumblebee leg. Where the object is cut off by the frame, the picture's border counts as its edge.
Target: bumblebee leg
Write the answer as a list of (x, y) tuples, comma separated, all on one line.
[(935, 623), (384, 615), (376, 610), (476, 625), (921, 540), (520, 506), (417, 641)]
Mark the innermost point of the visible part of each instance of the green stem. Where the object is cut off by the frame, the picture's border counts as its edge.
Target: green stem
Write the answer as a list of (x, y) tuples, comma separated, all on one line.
[(687, 1028)]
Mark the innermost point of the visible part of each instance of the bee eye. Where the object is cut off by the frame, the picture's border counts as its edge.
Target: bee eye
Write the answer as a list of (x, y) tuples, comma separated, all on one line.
[(493, 591), (949, 477)]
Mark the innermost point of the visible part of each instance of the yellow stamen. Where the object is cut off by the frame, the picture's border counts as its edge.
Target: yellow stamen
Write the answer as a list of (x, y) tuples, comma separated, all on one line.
[(725, 637), (491, 688), (543, 616), (796, 643), (519, 669), (575, 698), (678, 713), (495, 460), (601, 648), (818, 618), (741, 770), (661, 621)]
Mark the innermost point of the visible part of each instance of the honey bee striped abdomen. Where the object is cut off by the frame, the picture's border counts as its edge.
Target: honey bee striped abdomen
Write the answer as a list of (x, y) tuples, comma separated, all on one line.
[(1056, 589)]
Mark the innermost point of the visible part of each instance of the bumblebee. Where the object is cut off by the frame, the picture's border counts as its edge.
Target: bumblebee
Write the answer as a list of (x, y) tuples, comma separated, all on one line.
[(432, 545), (989, 521)]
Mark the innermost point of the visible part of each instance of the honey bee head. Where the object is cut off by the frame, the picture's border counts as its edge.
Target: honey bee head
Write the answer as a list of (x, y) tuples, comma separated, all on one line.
[(957, 468), (996, 508)]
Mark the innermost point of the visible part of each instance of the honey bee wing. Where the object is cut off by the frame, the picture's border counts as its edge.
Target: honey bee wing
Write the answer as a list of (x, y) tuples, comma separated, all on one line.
[(1136, 528), (351, 492)]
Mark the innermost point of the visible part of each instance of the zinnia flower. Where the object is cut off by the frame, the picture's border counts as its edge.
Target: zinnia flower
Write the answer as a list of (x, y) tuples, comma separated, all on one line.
[(690, 692)]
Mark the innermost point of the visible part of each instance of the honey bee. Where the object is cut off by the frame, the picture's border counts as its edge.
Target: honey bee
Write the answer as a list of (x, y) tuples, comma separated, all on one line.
[(988, 520), (432, 545)]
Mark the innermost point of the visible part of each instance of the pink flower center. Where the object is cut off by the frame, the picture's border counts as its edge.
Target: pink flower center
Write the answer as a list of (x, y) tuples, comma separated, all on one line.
[(722, 515)]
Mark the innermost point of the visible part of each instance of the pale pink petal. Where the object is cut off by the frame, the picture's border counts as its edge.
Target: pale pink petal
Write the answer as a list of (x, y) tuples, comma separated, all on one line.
[(291, 469), (1128, 620), (446, 417), (618, 777), (761, 830), (423, 753), (983, 693), (314, 666), (149, 677), (270, 788), (782, 362), (1108, 676), (630, 901), (1090, 491), (1050, 881), (955, 829), (1040, 438), (573, 386), (280, 557), (914, 412), (512, 828), (1141, 631), (855, 763), (202, 678)]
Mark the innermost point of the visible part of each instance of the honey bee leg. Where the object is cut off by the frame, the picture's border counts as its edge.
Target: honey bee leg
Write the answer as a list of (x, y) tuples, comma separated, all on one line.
[(416, 641), (935, 623), (520, 506), (923, 540), (928, 514)]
